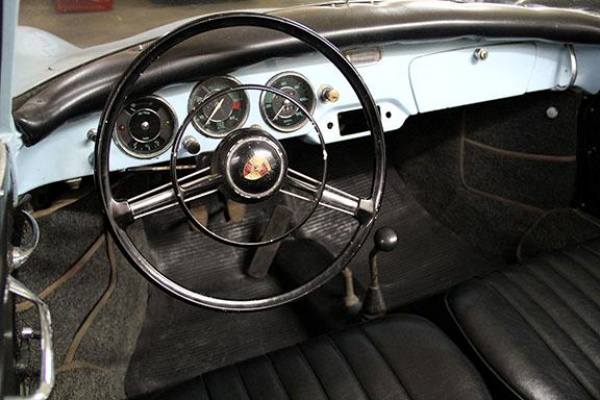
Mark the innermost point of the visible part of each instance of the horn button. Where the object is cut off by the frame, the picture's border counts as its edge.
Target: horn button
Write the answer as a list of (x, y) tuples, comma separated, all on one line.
[(253, 163)]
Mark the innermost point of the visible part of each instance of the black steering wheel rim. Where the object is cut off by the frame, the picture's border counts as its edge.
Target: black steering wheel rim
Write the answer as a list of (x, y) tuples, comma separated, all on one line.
[(119, 96)]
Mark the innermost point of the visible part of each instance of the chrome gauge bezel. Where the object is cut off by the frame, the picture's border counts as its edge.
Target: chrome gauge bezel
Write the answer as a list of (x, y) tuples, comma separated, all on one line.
[(191, 104), (123, 147), (293, 128)]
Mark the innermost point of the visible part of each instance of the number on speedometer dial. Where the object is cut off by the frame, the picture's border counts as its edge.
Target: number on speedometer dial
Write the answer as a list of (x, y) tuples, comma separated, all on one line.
[(222, 115), (281, 113)]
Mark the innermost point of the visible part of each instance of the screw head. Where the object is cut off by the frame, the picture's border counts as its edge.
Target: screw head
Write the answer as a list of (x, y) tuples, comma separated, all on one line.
[(552, 112)]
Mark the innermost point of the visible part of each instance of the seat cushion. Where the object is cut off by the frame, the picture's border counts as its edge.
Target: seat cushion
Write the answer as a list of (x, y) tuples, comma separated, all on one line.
[(398, 357), (537, 324)]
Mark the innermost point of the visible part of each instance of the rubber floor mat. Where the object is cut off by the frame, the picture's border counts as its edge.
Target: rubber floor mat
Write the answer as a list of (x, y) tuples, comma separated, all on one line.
[(179, 341), (429, 258)]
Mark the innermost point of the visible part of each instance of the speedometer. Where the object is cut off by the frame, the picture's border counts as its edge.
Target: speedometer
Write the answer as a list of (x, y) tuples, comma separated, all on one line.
[(222, 115), (145, 127), (281, 113)]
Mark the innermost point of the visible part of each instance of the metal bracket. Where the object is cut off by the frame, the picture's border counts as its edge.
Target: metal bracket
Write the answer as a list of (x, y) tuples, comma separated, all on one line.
[(574, 69), (47, 354)]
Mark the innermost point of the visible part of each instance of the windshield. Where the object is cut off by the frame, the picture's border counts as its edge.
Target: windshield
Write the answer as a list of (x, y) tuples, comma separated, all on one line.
[(87, 23), (56, 36)]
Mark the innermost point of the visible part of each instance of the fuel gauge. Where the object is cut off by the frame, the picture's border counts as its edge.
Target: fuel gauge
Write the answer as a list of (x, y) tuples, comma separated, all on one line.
[(146, 127)]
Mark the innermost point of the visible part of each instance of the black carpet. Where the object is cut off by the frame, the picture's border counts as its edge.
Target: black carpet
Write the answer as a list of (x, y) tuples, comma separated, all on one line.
[(521, 124), (491, 171), (98, 364)]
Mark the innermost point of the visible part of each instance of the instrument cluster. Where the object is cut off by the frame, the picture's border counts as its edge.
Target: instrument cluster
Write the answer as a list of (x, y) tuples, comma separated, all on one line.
[(147, 126), (226, 114)]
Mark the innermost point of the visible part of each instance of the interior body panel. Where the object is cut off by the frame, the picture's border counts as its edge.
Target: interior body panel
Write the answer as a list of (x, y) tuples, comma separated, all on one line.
[(339, 200)]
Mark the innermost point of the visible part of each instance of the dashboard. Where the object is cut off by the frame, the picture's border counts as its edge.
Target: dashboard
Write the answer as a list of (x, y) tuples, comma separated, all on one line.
[(404, 79)]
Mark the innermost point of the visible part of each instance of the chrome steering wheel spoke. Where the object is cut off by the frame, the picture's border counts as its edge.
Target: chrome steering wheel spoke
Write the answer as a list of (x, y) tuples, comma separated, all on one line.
[(332, 198), (194, 186)]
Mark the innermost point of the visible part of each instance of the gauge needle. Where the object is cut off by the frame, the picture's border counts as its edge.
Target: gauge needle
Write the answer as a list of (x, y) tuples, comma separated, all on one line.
[(215, 111), (286, 102)]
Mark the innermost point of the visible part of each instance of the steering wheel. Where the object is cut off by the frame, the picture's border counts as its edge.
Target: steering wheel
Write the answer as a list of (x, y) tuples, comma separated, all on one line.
[(249, 165)]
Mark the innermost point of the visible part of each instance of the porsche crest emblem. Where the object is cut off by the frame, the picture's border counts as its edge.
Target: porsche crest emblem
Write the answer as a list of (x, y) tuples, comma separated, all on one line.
[(256, 167)]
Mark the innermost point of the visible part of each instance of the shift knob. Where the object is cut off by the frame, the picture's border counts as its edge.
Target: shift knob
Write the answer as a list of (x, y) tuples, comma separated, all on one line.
[(385, 239)]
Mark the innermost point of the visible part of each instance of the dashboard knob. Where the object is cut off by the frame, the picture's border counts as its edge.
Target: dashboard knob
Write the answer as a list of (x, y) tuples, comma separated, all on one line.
[(329, 95), (92, 134), (480, 54), (192, 145)]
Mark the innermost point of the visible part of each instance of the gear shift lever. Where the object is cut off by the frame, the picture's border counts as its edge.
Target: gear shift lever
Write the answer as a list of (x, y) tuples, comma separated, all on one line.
[(386, 240)]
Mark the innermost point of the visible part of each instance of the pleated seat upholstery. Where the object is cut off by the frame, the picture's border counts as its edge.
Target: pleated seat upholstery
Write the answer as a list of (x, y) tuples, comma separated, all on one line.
[(398, 357), (537, 324)]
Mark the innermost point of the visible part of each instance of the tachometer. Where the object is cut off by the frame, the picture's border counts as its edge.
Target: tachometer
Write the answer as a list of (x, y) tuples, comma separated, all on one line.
[(222, 115), (281, 113), (146, 127)]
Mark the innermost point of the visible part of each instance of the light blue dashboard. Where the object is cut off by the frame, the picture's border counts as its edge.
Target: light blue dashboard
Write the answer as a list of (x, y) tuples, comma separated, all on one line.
[(404, 79)]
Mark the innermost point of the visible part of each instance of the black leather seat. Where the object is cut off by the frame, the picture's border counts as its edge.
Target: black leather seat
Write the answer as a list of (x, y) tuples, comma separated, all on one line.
[(399, 357), (537, 325)]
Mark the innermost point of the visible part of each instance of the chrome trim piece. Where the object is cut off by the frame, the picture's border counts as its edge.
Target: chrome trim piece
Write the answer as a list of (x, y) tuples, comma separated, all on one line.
[(574, 69), (163, 197), (332, 197), (21, 254), (47, 354)]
